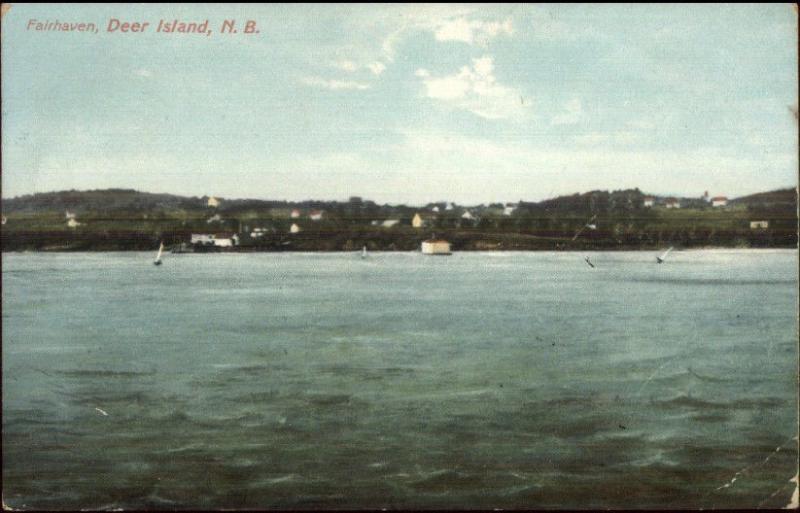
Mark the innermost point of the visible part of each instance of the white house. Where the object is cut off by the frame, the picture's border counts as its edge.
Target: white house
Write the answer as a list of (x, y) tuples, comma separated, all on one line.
[(435, 247), (223, 239), (259, 232), (213, 202), (759, 225), (4, 220), (73, 223), (202, 238), (467, 215), (420, 220), (390, 222), (295, 214), (719, 201), (315, 215), (649, 201), (294, 228), (672, 203), (508, 210), (435, 209)]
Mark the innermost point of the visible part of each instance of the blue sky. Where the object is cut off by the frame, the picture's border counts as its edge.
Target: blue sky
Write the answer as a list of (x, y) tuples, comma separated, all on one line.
[(398, 103)]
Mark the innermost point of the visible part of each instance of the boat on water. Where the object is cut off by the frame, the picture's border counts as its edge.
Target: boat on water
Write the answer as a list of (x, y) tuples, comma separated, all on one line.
[(364, 252), (157, 261), (660, 259)]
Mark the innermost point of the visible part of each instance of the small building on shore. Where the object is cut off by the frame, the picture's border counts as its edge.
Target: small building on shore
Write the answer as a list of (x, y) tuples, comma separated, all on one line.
[(422, 219), (649, 201), (294, 228), (719, 201), (672, 203), (221, 239), (260, 231), (759, 225), (435, 247)]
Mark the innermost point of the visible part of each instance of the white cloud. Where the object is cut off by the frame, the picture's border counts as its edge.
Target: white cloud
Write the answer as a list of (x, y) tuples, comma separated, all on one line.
[(335, 85), (475, 88), (390, 25), (377, 67), (454, 87), (573, 111), (345, 65), (472, 31)]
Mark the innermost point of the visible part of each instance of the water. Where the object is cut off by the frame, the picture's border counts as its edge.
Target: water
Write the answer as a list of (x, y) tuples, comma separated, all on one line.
[(480, 380)]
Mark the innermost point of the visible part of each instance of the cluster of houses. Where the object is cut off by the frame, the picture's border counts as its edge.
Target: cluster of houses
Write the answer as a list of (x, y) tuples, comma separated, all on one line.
[(716, 201), (221, 239), (314, 215), (72, 220), (423, 218)]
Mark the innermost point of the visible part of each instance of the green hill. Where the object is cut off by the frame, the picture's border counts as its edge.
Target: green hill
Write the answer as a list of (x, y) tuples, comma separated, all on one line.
[(126, 219)]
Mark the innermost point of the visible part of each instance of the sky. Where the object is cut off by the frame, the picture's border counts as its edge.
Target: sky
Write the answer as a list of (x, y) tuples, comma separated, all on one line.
[(403, 103)]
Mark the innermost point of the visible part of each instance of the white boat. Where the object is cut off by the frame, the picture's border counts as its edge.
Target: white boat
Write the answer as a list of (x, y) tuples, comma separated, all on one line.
[(660, 259), (157, 261), (364, 252)]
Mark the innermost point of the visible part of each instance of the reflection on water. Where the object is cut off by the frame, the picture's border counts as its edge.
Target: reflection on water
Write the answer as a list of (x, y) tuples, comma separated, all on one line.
[(302, 381)]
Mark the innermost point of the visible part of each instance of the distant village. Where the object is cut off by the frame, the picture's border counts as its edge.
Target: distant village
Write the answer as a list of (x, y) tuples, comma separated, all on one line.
[(422, 219), (127, 219)]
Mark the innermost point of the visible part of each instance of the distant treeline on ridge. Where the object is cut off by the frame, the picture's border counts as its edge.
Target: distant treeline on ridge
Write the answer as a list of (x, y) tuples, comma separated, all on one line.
[(125, 219)]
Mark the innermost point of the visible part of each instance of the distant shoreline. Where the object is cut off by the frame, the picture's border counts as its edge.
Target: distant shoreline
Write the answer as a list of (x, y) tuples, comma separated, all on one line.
[(623, 220), (250, 251)]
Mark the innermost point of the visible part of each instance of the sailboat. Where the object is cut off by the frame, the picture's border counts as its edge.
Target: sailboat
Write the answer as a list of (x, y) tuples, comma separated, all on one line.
[(364, 252), (660, 259), (157, 261)]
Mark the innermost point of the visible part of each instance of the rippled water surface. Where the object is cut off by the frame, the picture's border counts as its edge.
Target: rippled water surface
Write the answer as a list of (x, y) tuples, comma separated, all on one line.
[(480, 380)]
